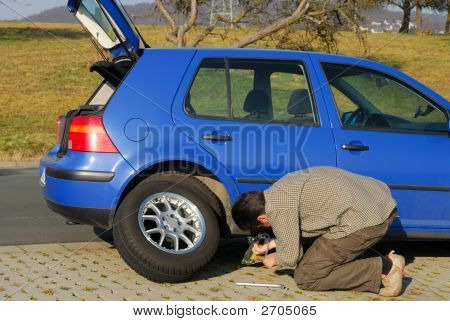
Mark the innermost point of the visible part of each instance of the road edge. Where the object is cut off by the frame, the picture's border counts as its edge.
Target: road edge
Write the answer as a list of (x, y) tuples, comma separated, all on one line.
[(19, 164)]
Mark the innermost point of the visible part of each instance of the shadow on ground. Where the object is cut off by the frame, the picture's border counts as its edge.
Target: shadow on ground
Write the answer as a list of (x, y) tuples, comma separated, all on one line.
[(105, 235), (230, 252)]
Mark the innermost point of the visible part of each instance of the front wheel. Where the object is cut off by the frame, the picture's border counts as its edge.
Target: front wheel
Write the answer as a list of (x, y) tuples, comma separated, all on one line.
[(165, 228)]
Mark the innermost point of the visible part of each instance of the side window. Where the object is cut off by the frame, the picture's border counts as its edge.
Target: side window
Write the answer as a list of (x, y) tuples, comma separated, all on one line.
[(291, 100), (344, 103), (253, 90), (241, 83), (208, 93), (375, 100)]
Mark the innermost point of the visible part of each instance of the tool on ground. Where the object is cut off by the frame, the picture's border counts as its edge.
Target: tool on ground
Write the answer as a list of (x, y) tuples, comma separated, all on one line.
[(251, 258), (267, 285)]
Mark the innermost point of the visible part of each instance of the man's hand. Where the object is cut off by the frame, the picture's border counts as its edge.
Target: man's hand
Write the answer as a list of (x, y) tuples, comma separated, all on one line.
[(269, 260), (262, 249)]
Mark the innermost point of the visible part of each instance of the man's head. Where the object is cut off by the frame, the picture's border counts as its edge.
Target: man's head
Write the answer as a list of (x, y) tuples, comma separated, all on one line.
[(249, 211)]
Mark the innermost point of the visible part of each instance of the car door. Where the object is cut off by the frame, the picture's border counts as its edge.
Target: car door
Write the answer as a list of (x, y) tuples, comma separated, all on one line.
[(255, 113), (391, 130)]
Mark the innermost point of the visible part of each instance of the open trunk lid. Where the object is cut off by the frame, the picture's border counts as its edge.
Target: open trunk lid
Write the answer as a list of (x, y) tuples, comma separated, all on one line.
[(110, 25)]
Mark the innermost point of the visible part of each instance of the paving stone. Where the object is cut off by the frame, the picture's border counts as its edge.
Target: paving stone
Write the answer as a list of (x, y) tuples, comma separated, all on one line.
[(10, 249), (73, 271), (42, 247), (83, 246)]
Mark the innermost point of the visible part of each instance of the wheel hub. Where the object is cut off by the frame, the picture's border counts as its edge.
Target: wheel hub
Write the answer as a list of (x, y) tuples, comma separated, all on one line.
[(171, 222)]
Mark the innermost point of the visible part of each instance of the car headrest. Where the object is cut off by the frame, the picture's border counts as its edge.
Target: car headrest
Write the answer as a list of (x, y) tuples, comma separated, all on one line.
[(299, 103), (256, 101)]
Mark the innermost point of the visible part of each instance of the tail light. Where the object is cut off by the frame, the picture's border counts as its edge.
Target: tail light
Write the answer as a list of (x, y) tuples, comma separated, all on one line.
[(59, 130), (87, 134)]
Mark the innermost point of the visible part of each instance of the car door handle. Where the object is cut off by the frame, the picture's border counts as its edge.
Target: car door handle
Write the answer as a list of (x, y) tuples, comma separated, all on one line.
[(217, 137), (352, 147)]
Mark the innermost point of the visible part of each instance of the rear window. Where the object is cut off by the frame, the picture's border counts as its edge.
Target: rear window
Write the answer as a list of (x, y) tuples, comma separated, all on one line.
[(94, 19)]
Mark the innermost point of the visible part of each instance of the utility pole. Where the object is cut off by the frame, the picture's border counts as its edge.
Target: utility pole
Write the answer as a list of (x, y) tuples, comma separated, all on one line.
[(222, 8)]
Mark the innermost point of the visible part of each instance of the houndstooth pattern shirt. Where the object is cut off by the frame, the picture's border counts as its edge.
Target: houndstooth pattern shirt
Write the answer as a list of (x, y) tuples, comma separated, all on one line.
[(323, 201)]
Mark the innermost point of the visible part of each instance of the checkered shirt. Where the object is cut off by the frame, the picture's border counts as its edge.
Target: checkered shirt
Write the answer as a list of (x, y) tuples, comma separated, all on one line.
[(323, 201)]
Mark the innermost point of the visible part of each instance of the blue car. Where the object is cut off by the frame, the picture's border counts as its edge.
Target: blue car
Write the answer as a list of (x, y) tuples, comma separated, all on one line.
[(171, 138)]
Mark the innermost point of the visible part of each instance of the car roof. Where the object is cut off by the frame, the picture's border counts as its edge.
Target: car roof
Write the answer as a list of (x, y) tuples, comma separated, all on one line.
[(266, 53), (320, 56), (250, 51)]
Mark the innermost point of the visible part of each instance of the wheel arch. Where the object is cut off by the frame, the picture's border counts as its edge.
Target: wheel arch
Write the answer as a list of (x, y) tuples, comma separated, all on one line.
[(221, 186)]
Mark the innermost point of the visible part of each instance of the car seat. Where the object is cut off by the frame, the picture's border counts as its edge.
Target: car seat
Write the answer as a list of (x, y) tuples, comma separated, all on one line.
[(257, 104), (300, 106)]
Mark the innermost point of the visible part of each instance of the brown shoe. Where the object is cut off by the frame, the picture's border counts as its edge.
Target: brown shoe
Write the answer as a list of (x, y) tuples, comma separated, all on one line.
[(392, 282)]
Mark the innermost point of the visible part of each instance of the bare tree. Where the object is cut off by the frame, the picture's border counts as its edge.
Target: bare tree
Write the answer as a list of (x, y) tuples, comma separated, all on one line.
[(177, 33), (419, 22), (272, 20), (406, 6), (438, 5), (442, 6), (447, 23), (300, 12)]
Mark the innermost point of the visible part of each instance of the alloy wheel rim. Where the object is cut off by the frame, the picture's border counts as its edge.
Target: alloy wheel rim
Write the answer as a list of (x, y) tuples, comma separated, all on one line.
[(172, 223)]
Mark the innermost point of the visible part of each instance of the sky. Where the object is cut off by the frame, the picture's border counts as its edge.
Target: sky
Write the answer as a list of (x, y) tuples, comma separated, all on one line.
[(28, 7), (17, 9)]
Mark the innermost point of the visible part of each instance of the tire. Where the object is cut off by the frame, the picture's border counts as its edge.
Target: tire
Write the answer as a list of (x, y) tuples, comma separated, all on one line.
[(150, 259)]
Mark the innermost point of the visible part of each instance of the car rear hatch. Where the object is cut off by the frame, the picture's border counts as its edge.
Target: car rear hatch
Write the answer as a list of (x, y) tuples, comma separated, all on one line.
[(110, 25), (113, 30)]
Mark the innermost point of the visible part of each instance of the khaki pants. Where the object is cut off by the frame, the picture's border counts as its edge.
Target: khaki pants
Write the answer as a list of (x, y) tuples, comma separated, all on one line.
[(332, 264)]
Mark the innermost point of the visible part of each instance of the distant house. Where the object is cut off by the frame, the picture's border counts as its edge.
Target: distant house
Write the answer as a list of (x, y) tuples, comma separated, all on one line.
[(364, 29), (386, 26), (376, 27)]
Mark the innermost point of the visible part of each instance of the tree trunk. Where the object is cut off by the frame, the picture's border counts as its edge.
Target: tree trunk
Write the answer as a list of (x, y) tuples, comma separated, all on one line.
[(406, 16), (447, 23), (418, 19)]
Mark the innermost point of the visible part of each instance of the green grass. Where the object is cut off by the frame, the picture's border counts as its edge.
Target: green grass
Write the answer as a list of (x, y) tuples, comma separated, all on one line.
[(45, 72)]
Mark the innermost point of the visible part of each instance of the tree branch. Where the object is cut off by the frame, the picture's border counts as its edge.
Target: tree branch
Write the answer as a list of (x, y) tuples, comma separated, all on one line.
[(302, 8), (208, 31), (170, 36), (190, 22)]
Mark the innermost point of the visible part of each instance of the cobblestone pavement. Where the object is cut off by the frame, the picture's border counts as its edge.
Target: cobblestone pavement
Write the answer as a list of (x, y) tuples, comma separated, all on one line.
[(95, 271)]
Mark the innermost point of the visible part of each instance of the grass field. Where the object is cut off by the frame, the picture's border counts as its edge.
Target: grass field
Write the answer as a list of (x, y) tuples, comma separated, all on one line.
[(45, 72)]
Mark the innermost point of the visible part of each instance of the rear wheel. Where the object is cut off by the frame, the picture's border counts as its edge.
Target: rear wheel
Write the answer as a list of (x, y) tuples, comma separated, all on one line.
[(165, 228)]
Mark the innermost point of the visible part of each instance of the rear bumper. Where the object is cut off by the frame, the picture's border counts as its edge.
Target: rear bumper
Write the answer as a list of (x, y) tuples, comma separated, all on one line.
[(85, 187), (83, 215), (77, 175)]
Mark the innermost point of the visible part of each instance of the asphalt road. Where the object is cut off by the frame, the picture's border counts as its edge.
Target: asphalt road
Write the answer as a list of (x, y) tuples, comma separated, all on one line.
[(25, 218)]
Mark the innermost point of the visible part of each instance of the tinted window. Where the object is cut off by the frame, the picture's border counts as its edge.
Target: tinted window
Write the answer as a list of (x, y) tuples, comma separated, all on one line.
[(272, 91), (241, 83), (287, 98), (208, 94), (369, 99)]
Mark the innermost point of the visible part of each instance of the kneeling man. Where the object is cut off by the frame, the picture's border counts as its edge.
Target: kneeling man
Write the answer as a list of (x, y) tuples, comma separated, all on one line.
[(347, 212)]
